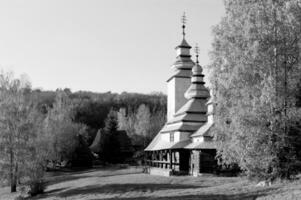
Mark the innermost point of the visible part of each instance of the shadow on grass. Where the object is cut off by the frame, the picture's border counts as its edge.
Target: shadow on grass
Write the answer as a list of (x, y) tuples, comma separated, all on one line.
[(64, 178), (239, 196), (122, 188), (150, 188), (45, 194)]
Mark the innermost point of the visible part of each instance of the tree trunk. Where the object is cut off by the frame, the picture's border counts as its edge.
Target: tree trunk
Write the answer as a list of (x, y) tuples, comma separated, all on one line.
[(13, 180)]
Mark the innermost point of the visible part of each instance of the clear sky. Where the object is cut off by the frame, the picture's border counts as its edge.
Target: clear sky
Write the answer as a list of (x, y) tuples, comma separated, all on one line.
[(101, 45)]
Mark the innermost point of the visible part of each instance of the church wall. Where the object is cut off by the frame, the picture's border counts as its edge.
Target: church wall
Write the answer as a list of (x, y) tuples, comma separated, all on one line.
[(183, 51), (176, 88), (182, 84), (198, 139), (177, 136), (165, 137), (184, 135), (171, 98)]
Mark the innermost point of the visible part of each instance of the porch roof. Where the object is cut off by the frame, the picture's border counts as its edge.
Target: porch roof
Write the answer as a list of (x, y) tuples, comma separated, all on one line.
[(163, 145), (202, 145)]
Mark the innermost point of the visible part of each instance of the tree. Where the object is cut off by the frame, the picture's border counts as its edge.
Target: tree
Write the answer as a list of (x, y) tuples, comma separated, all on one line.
[(35, 161), (158, 120), (109, 147), (61, 130), (142, 127), (254, 72), (15, 126)]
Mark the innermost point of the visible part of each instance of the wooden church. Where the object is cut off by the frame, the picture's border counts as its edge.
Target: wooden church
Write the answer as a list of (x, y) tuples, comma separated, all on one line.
[(185, 144)]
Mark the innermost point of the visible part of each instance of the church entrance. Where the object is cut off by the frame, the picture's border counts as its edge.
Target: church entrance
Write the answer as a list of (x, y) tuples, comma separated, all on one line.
[(184, 161), (208, 162)]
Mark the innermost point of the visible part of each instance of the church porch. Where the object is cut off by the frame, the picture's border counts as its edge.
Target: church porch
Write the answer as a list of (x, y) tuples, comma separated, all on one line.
[(168, 162)]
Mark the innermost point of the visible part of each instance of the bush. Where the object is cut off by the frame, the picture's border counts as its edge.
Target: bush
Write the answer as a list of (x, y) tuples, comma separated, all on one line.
[(36, 183), (36, 187)]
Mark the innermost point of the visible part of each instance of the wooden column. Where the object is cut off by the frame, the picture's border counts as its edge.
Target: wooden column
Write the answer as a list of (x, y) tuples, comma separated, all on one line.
[(170, 159), (160, 158)]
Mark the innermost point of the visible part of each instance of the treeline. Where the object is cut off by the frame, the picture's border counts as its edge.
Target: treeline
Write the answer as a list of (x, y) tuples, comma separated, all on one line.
[(255, 79), (47, 129), (92, 109)]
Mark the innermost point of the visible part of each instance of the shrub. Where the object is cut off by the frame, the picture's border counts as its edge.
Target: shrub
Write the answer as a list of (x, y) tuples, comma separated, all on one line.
[(36, 187)]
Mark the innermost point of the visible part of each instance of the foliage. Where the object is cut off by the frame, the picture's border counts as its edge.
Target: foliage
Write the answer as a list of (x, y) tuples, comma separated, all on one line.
[(254, 74), (92, 109), (82, 156), (23, 145), (38, 127), (109, 145), (36, 160), (15, 126), (143, 125), (61, 130)]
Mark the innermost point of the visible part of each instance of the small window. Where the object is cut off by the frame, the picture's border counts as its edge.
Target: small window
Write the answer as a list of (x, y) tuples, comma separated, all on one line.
[(172, 137)]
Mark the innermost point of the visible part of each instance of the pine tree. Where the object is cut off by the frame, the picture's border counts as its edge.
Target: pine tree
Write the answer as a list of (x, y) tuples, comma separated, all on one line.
[(109, 144)]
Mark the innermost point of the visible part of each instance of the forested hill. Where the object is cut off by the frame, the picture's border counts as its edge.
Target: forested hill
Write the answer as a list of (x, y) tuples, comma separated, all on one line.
[(91, 108)]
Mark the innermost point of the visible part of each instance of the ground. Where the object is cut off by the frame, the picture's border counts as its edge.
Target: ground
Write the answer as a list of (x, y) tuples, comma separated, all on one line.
[(131, 184)]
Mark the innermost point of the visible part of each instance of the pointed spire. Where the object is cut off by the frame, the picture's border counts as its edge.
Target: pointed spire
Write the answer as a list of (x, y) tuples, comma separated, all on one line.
[(183, 53), (184, 20), (184, 44)]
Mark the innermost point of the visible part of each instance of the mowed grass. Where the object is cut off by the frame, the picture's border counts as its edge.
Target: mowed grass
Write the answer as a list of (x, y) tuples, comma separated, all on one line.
[(131, 184)]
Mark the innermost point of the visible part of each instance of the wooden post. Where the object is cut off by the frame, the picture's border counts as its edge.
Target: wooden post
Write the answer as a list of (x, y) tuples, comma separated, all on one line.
[(153, 158), (170, 159), (160, 158)]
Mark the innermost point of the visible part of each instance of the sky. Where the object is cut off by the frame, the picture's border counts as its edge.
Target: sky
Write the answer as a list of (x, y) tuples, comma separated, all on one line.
[(102, 45)]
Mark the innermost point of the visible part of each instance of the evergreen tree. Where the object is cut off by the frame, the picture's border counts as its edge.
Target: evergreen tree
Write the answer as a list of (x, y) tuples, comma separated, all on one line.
[(254, 72), (109, 144)]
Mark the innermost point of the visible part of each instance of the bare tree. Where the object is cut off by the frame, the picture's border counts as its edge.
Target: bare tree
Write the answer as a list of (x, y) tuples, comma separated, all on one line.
[(14, 124)]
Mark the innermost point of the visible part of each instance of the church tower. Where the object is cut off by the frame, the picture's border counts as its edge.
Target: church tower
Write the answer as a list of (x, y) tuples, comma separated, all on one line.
[(179, 82)]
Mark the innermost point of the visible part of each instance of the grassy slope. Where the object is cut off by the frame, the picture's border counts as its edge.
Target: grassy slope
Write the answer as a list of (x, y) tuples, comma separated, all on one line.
[(129, 184)]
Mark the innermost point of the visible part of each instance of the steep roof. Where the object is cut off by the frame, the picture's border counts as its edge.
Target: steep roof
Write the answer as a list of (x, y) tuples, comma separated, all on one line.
[(159, 144), (204, 130), (95, 146), (122, 138), (184, 44), (202, 145)]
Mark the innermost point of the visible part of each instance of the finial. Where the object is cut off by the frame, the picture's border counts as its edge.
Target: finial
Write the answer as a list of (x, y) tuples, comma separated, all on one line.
[(197, 51), (184, 20)]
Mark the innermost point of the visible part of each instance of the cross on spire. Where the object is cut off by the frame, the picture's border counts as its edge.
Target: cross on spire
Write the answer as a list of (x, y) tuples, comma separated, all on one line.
[(197, 51), (184, 20)]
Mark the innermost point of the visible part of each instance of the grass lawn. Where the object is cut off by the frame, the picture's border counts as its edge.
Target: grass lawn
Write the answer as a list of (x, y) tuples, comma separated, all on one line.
[(131, 184)]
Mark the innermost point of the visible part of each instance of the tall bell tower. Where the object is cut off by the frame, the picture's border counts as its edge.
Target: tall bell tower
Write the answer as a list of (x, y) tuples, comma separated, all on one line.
[(179, 82)]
